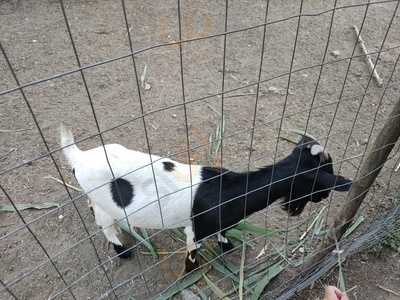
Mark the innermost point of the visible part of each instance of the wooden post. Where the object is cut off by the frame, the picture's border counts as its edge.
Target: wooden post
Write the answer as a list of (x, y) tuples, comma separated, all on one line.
[(372, 165)]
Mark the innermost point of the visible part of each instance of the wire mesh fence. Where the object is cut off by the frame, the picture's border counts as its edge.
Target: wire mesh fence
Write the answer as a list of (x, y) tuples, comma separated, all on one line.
[(199, 83)]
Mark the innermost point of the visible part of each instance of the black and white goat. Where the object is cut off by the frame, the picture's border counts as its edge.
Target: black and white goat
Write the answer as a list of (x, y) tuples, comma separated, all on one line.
[(135, 193)]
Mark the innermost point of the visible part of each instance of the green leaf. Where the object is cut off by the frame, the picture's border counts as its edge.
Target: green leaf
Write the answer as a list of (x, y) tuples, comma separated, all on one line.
[(217, 266), (341, 285), (272, 271), (179, 235), (210, 151), (227, 264), (259, 268), (254, 278), (215, 140), (145, 241), (341, 282), (241, 272), (237, 235), (217, 291), (202, 295), (318, 227), (145, 234), (23, 206), (182, 284), (353, 226), (254, 229)]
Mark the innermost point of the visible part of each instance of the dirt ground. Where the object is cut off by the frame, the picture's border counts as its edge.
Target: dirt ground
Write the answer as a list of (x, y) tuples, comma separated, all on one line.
[(34, 37)]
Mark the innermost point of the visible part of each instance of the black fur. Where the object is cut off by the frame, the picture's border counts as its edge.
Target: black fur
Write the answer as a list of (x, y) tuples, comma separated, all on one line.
[(206, 209), (168, 166), (122, 192), (120, 251), (226, 247)]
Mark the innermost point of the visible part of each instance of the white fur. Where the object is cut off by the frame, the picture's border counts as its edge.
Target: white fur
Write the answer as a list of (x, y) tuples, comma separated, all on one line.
[(190, 244), (222, 239), (94, 176)]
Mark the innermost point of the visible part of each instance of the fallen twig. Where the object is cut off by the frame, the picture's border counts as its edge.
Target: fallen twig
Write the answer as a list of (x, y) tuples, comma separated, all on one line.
[(6, 225), (241, 95), (163, 252), (397, 168), (143, 76), (143, 81), (5, 155), (371, 66), (212, 108), (14, 130), (388, 290), (24, 206), (61, 182), (313, 223), (350, 289)]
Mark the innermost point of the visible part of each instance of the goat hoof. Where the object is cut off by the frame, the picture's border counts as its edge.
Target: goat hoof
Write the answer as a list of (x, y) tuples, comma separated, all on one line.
[(226, 247), (122, 251), (190, 264)]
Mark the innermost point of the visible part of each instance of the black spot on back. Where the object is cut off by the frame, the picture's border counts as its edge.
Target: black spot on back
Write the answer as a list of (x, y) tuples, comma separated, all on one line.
[(122, 192), (73, 172), (168, 166)]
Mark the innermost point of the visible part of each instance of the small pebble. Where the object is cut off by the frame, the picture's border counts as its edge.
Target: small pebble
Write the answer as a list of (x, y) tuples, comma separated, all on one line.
[(60, 217), (27, 162), (34, 41), (335, 53), (174, 116), (147, 86), (274, 89), (364, 141)]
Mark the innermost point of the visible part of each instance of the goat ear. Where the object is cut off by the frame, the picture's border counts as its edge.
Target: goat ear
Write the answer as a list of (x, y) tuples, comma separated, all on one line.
[(335, 182)]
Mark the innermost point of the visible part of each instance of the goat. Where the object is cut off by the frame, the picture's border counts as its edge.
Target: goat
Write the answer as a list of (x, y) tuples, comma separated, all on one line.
[(164, 199)]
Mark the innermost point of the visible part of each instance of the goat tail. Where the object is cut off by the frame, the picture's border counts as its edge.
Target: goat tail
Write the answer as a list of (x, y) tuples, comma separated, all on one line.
[(70, 149)]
